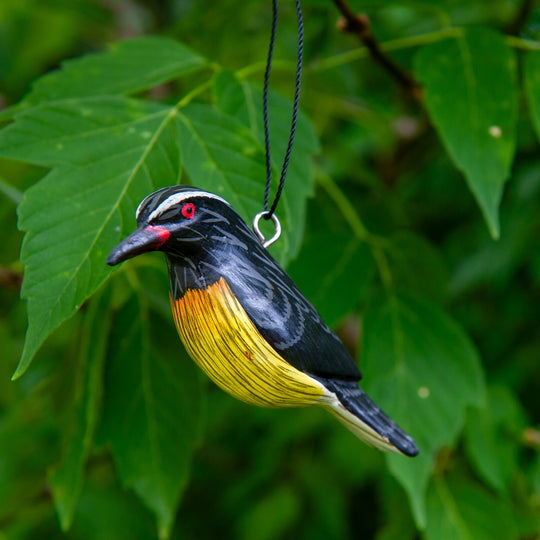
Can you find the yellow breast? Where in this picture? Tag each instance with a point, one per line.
(220, 337)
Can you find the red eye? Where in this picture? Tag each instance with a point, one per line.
(188, 210)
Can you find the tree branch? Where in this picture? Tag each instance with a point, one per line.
(10, 279)
(520, 18)
(360, 25)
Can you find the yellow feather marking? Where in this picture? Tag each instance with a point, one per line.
(224, 342)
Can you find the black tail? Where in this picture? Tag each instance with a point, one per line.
(354, 400)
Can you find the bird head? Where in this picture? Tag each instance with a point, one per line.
(177, 220)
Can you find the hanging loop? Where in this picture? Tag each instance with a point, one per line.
(258, 232)
(269, 213)
(270, 209)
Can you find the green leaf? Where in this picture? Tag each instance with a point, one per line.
(471, 95)
(330, 504)
(243, 101)
(492, 264)
(461, 509)
(107, 155)
(106, 511)
(344, 266)
(66, 479)
(151, 413)
(420, 368)
(127, 67)
(11, 193)
(532, 86)
(230, 98)
(270, 517)
(396, 514)
(493, 435)
(33, 42)
(220, 155)
(417, 266)
(28, 443)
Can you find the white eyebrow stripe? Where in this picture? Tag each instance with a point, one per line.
(179, 197)
(138, 211)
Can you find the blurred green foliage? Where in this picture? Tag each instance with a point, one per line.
(391, 208)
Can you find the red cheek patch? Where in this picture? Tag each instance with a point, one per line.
(160, 232)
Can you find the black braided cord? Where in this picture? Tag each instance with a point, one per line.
(270, 212)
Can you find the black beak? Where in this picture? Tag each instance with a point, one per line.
(147, 238)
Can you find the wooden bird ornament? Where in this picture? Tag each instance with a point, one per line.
(244, 321)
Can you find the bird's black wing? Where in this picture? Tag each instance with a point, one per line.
(285, 317)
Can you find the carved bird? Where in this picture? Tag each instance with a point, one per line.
(243, 320)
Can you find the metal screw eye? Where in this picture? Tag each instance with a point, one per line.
(258, 232)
